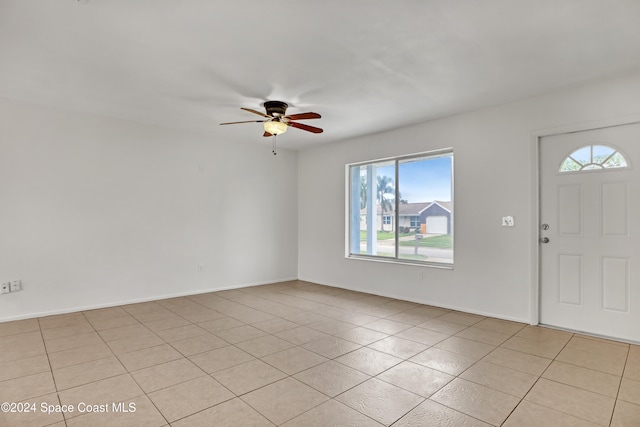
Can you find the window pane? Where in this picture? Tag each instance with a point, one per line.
(425, 191)
(569, 165)
(582, 155)
(601, 152)
(616, 161)
(372, 232)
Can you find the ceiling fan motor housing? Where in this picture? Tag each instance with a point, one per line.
(276, 108)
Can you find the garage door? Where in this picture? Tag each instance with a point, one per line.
(437, 225)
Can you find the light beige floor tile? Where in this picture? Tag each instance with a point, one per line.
(461, 318)
(127, 345)
(221, 358)
(529, 414)
(486, 336)
(409, 318)
(105, 313)
(78, 355)
(35, 417)
(428, 311)
(84, 373)
(189, 397)
(301, 335)
(573, 401)
(232, 413)
(331, 347)
(274, 326)
(115, 389)
(422, 336)
(443, 326)
(465, 347)
(248, 376)
(369, 361)
(202, 315)
(483, 403)
(430, 413)
(523, 362)
(443, 360)
(19, 327)
(381, 401)
(294, 360)
(331, 378)
(263, 346)
(546, 349)
(241, 333)
(133, 331)
(625, 414)
(332, 413)
(167, 323)
(22, 388)
(587, 379)
(167, 374)
(613, 365)
(540, 333)
(18, 346)
(199, 344)
(146, 357)
(23, 367)
(141, 413)
(398, 347)
(113, 322)
(181, 332)
(598, 346)
(71, 342)
(505, 327)
(500, 378)
(630, 391)
(66, 331)
(331, 327)
(632, 368)
(416, 378)
(157, 314)
(362, 336)
(62, 320)
(284, 400)
(387, 326)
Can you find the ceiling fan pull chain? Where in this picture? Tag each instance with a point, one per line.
(273, 148)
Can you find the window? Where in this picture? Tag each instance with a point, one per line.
(416, 193)
(594, 157)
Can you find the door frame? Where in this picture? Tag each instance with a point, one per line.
(534, 231)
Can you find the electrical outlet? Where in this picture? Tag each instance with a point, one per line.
(16, 285)
(6, 288)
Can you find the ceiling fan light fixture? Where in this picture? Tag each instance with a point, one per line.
(275, 127)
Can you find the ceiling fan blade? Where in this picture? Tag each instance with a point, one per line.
(267, 134)
(255, 112)
(248, 121)
(305, 127)
(303, 116)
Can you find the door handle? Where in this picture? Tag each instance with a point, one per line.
(544, 240)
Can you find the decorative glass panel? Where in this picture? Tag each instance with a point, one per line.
(594, 157)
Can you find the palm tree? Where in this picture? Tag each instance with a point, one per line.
(363, 192)
(385, 186)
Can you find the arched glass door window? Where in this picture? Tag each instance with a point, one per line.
(594, 157)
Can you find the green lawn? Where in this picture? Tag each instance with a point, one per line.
(383, 235)
(444, 241)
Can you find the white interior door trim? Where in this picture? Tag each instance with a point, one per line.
(534, 231)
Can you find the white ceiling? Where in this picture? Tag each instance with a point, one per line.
(365, 65)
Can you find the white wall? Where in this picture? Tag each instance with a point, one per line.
(97, 211)
(494, 177)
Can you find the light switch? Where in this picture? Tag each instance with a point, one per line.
(507, 221)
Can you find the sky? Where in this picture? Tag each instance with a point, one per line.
(423, 180)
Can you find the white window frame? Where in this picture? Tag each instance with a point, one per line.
(446, 152)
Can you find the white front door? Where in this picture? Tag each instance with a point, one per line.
(590, 214)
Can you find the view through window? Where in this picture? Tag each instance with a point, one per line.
(402, 209)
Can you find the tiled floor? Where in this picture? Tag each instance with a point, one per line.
(300, 354)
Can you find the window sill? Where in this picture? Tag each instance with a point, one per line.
(442, 266)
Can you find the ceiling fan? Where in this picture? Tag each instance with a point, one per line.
(276, 121)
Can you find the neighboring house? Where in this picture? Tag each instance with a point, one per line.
(435, 215)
